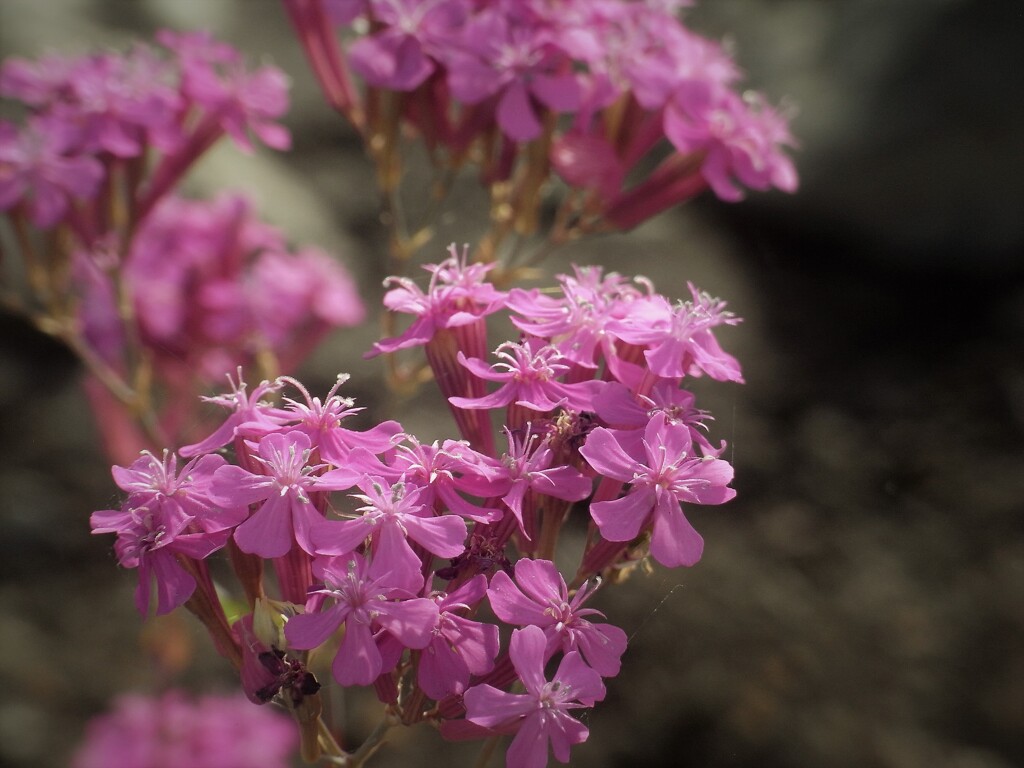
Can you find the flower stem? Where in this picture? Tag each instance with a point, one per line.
(486, 751)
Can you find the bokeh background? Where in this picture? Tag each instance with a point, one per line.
(861, 603)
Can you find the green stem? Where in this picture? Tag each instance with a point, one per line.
(486, 751)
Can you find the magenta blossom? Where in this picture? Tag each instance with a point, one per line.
(528, 464)
(39, 168)
(402, 55)
(741, 140)
(321, 421)
(292, 293)
(250, 416)
(458, 295)
(540, 717)
(211, 732)
(443, 471)
(619, 408)
(679, 338)
(519, 64)
(368, 597)
(392, 514)
(37, 82)
(158, 485)
(124, 102)
(460, 647)
(151, 540)
(168, 514)
(286, 513)
(666, 473)
(241, 102)
(539, 597)
(528, 374)
(576, 322)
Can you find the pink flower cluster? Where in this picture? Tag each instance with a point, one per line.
(629, 76)
(173, 730)
(212, 288)
(145, 285)
(403, 559)
(90, 118)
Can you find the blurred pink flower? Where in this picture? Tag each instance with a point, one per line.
(40, 168)
(172, 730)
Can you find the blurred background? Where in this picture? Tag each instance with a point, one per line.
(861, 603)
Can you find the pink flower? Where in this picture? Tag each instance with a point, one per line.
(679, 337)
(391, 515)
(211, 732)
(540, 717)
(741, 140)
(459, 646)
(241, 102)
(443, 471)
(158, 485)
(529, 375)
(39, 167)
(37, 83)
(576, 323)
(518, 63)
(367, 598)
(528, 467)
(290, 292)
(214, 287)
(287, 514)
(539, 597)
(658, 53)
(403, 54)
(321, 421)
(663, 475)
(250, 415)
(458, 295)
(150, 540)
(619, 408)
(124, 102)
(199, 46)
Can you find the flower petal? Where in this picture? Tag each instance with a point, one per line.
(621, 519)
(674, 541)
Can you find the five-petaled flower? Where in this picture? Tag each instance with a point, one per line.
(539, 597)
(540, 717)
(367, 597)
(661, 475)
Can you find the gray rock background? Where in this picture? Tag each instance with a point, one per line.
(861, 603)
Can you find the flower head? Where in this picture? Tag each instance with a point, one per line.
(40, 167)
(664, 474)
(540, 717)
(211, 732)
(460, 647)
(539, 597)
(457, 295)
(158, 485)
(517, 62)
(529, 374)
(679, 338)
(150, 539)
(391, 515)
(285, 512)
(367, 597)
